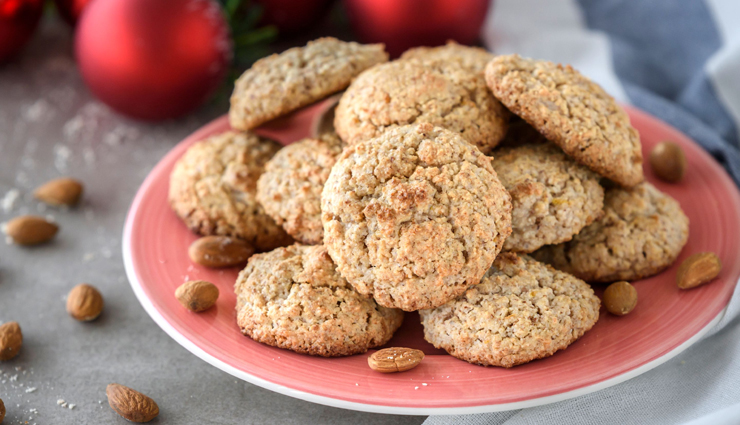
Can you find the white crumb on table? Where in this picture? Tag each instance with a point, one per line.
(38, 110)
(62, 153)
(9, 199)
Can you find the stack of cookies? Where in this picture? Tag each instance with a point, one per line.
(482, 191)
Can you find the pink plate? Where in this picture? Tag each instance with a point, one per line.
(665, 322)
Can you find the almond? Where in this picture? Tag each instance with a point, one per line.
(220, 251)
(2, 411)
(30, 230)
(59, 192)
(130, 404)
(698, 269)
(84, 302)
(668, 162)
(11, 339)
(197, 295)
(620, 298)
(395, 359)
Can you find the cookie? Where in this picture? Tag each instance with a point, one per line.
(552, 196)
(278, 84)
(293, 298)
(573, 112)
(641, 233)
(415, 216)
(290, 188)
(213, 189)
(521, 311)
(406, 92)
(473, 59)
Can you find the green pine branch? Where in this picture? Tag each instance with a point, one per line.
(250, 41)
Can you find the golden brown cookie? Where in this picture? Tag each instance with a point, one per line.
(290, 188)
(278, 84)
(522, 310)
(293, 298)
(552, 196)
(641, 233)
(406, 92)
(213, 189)
(471, 58)
(415, 216)
(572, 111)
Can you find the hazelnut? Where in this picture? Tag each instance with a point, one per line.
(620, 298)
(668, 162)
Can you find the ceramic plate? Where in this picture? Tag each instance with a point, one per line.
(665, 322)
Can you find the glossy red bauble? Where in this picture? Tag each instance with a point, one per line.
(18, 21)
(292, 16)
(150, 59)
(71, 10)
(402, 24)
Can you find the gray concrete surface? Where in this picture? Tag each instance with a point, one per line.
(51, 126)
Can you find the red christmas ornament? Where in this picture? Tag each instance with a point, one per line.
(153, 60)
(402, 24)
(18, 21)
(70, 10)
(292, 16)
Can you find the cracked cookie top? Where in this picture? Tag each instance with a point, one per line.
(522, 310)
(403, 92)
(641, 233)
(213, 189)
(278, 84)
(293, 298)
(473, 59)
(290, 188)
(552, 196)
(415, 216)
(572, 111)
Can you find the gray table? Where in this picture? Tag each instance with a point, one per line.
(51, 126)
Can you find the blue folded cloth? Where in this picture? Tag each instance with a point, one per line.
(661, 50)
